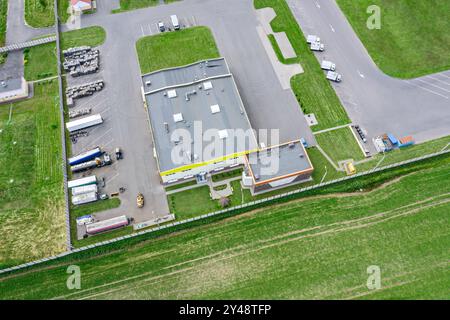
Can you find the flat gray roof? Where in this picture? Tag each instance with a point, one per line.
(213, 110)
(10, 84)
(278, 161)
(186, 74)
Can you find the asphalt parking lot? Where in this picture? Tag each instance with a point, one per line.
(379, 103)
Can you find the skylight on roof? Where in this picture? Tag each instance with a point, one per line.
(178, 117)
(172, 93)
(207, 85)
(215, 109)
(223, 134)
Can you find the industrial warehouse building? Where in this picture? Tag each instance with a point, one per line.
(13, 89)
(199, 127)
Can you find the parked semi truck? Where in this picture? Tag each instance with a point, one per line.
(85, 156)
(84, 198)
(84, 189)
(334, 76)
(106, 225)
(328, 65)
(82, 182)
(96, 163)
(84, 123)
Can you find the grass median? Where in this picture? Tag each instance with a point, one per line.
(173, 49)
(312, 89)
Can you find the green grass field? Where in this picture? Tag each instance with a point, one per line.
(3, 18)
(39, 13)
(40, 62)
(312, 248)
(32, 221)
(340, 144)
(90, 36)
(312, 89)
(176, 49)
(413, 39)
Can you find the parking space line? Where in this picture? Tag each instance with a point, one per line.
(150, 29)
(433, 85)
(431, 91)
(112, 178)
(443, 75)
(142, 30)
(439, 80)
(100, 137)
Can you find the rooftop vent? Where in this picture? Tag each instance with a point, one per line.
(207, 85)
(178, 117)
(223, 134)
(172, 93)
(215, 109)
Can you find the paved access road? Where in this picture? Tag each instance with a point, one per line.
(233, 24)
(17, 31)
(379, 103)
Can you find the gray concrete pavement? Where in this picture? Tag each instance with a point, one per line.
(379, 103)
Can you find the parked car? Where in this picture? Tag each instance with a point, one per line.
(140, 200)
(161, 26)
(118, 154)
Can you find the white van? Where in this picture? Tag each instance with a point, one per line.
(175, 23)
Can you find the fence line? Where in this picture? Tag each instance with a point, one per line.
(216, 213)
(63, 130)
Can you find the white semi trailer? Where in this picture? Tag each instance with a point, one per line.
(84, 123)
(84, 198)
(84, 189)
(82, 182)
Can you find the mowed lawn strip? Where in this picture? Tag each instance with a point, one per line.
(32, 221)
(39, 13)
(340, 144)
(312, 248)
(173, 49)
(312, 89)
(126, 5)
(40, 62)
(90, 36)
(414, 38)
(3, 19)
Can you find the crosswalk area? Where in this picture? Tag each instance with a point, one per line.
(28, 44)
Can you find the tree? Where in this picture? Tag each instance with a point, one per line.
(224, 202)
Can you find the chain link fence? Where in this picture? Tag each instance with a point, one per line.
(248, 205)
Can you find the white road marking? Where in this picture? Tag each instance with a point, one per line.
(142, 30)
(439, 80)
(443, 75)
(431, 91)
(317, 5)
(360, 74)
(332, 29)
(433, 85)
(100, 137)
(150, 29)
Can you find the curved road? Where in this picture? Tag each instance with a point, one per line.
(420, 107)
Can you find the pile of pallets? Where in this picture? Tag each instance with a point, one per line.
(81, 61)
